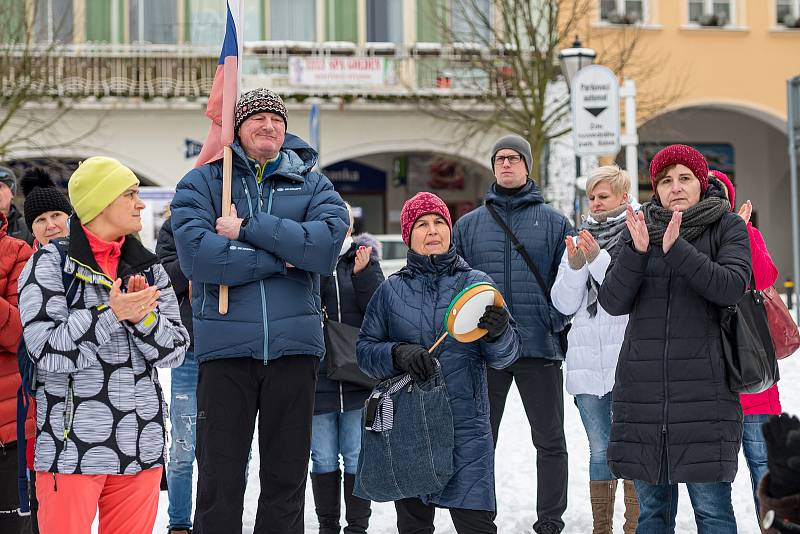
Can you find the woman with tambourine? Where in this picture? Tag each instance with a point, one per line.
(404, 318)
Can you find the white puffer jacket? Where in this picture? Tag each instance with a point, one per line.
(594, 342)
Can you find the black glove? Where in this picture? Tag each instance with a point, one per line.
(415, 360)
(782, 434)
(495, 321)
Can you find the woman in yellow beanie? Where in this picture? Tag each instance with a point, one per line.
(99, 315)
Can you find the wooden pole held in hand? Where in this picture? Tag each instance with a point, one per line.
(227, 174)
(438, 342)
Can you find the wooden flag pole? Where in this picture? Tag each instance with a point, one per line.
(227, 174)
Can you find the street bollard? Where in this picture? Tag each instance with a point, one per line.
(788, 285)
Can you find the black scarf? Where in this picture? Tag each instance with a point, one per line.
(695, 220)
(606, 228)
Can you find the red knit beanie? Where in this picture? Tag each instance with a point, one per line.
(417, 206)
(722, 177)
(680, 155)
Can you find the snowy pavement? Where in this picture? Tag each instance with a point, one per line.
(516, 481)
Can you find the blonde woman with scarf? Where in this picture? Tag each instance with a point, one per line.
(596, 337)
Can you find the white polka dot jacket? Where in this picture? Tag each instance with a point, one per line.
(99, 405)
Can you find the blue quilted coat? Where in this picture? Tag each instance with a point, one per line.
(541, 229)
(410, 307)
(293, 216)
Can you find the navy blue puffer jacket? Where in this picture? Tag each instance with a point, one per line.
(409, 307)
(541, 229)
(293, 216)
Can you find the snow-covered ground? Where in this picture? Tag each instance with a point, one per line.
(516, 480)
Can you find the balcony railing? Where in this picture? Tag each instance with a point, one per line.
(146, 72)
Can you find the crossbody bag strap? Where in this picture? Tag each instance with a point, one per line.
(521, 249)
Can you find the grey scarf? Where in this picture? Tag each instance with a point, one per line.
(695, 219)
(606, 228)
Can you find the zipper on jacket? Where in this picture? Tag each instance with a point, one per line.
(339, 319)
(341, 399)
(260, 282)
(664, 435)
(508, 295)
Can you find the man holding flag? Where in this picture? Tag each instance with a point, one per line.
(259, 352)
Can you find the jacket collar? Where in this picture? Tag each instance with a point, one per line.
(530, 194)
(298, 158)
(134, 257)
(433, 265)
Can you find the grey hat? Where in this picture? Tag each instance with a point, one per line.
(514, 142)
(8, 177)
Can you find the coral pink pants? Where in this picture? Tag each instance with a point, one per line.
(127, 503)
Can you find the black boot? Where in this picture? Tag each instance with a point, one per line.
(357, 510)
(327, 500)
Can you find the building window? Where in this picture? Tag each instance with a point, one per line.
(153, 21)
(385, 21)
(206, 21)
(788, 13)
(52, 21)
(471, 21)
(712, 12)
(622, 11)
(292, 20)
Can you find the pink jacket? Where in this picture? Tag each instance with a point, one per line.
(765, 272)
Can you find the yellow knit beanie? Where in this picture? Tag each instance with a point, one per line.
(96, 183)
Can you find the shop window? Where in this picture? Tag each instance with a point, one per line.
(622, 11)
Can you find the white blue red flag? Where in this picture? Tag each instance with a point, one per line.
(225, 89)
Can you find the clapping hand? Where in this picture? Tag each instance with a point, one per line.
(575, 257)
(588, 245)
(134, 305)
(746, 211)
(638, 230)
(673, 231)
(362, 259)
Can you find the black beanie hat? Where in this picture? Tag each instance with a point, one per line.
(41, 196)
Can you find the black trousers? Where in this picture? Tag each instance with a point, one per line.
(540, 384)
(10, 520)
(414, 517)
(230, 393)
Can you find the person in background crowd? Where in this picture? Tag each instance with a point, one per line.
(13, 255)
(336, 427)
(46, 208)
(674, 418)
(759, 406)
(47, 213)
(261, 358)
(389, 344)
(596, 337)
(101, 437)
(485, 246)
(16, 222)
(183, 396)
(779, 489)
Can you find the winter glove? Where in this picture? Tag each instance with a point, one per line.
(782, 434)
(592, 254)
(414, 360)
(495, 321)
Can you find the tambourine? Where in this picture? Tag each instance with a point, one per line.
(466, 310)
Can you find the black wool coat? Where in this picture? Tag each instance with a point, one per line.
(674, 418)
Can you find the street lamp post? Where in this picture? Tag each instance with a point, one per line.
(572, 60)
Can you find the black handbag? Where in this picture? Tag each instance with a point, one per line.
(562, 334)
(747, 347)
(341, 363)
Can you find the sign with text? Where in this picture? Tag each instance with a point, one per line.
(595, 111)
(321, 71)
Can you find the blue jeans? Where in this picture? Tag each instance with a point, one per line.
(596, 416)
(755, 451)
(183, 414)
(658, 505)
(333, 434)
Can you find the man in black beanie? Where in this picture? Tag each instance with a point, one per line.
(516, 200)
